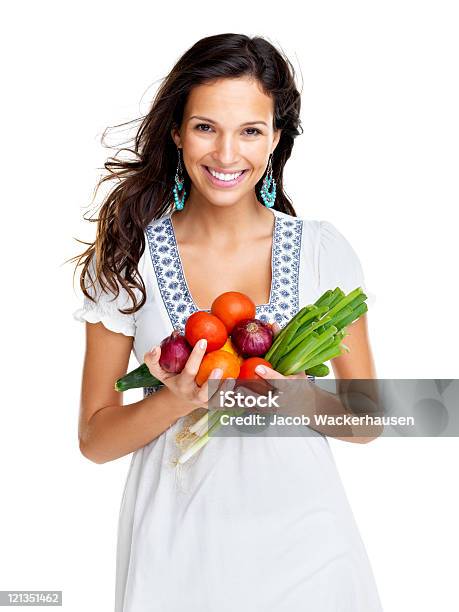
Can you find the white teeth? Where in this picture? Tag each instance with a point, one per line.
(225, 177)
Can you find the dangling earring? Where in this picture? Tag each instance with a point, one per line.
(268, 197)
(179, 181)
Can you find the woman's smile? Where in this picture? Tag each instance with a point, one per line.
(224, 179)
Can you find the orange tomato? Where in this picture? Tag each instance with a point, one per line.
(231, 307)
(252, 380)
(229, 346)
(205, 325)
(228, 362)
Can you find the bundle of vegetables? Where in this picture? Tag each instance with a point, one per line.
(312, 336)
(237, 342)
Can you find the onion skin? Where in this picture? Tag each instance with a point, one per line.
(175, 351)
(252, 337)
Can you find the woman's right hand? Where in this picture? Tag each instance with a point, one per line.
(183, 384)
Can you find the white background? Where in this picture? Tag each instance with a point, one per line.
(378, 158)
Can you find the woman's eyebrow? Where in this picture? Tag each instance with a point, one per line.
(216, 122)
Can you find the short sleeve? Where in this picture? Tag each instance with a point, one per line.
(338, 265)
(106, 307)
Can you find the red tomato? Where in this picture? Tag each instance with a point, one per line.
(205, 325)
(252, 380)
(231, 307)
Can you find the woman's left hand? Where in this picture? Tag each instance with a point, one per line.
(295, 399)
(271, 374)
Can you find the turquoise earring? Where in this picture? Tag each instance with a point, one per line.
(269, 197)
(179, 182)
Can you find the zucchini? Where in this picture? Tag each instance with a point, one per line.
(140, 377)
(319, 370)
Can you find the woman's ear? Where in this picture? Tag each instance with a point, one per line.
(277, 135)
(176, 136)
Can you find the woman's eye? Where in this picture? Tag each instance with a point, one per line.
(198, 127)
(256, 131)
(202, 124)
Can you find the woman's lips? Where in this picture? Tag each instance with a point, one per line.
(219, 183)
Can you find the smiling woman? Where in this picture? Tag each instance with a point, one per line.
(256, 523)
(228, 154)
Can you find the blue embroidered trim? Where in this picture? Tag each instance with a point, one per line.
(285, 261)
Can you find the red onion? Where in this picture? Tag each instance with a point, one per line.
(175, 351)
(252, 337)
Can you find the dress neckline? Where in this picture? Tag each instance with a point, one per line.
(173, 292)
(182, 270)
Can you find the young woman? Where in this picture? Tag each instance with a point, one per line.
(257, 523)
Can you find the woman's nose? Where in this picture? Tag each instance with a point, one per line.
(226, 150)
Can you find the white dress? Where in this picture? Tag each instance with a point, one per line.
(248, 524)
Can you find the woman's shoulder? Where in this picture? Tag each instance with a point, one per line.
(158, 221)
(309, 228)
(329, 250)
(336, 260)
(298, 219)
(324, 233)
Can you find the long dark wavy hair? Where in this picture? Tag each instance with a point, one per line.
(144, 183)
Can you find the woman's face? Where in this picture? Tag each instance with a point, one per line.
(227, 128)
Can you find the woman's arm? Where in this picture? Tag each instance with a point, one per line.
(357, 364)
(108, 430)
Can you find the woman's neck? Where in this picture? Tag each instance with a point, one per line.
(220, 225)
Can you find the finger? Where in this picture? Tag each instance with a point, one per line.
(226, 384)
(248, 391)
(266, 372)
(151, 360)
(276, 328)
(194, 361)
(203, 393)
